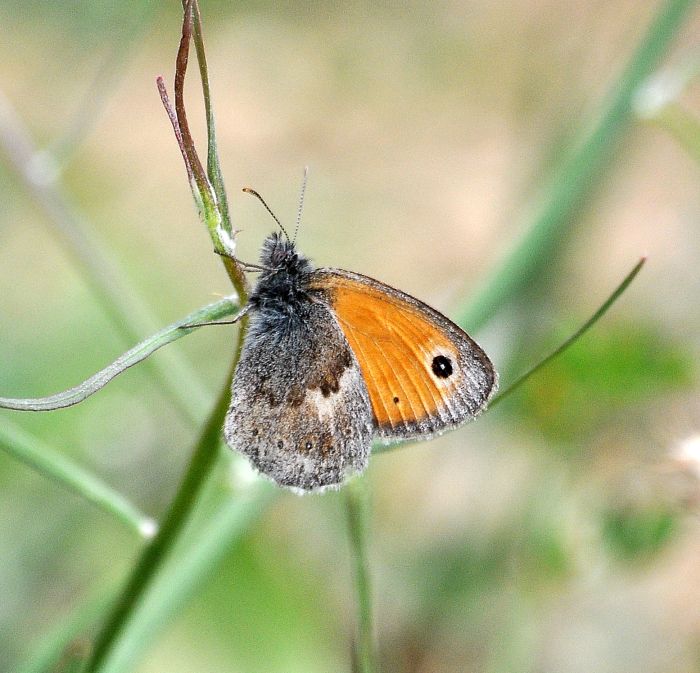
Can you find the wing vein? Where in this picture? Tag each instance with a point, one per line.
(370, 371)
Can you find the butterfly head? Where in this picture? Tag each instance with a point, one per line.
(279, 255)
(282, 280)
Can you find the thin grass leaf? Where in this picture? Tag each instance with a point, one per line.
(205, 189)
(69, 475)
(575, 336)
(357, 507)
(172, 116)
(210, 195)
(224, 229)
(137, 354)
(213, 163)
(575, 180)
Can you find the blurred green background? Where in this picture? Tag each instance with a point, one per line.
(558, 533)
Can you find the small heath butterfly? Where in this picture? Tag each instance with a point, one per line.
(332, 359)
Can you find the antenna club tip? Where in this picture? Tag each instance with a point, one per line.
(250, 190)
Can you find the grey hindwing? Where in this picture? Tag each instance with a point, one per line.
(300, 410)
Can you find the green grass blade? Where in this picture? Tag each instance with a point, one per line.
(207, 187)
(357, 505)
(213, 164)
(575, 336)
(578, 176)
(68, 474)
(385, 448)
(133, 356)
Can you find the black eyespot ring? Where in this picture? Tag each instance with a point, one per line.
(442, 366)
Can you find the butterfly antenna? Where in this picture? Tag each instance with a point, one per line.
(248, 190)
(301, 202)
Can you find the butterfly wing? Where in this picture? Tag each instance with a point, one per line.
(300, 410)
(423, 373)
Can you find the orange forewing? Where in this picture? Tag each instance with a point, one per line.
(396, 339)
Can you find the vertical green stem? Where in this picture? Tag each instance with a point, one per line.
(358, 512)
(152, 557)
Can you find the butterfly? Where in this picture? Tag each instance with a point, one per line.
(332, 359)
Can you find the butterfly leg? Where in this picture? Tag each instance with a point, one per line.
(247, 266)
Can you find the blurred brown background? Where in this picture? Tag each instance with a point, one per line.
(557, 534)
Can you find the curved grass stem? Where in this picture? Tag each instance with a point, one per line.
(574, 337)
(133, 356)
